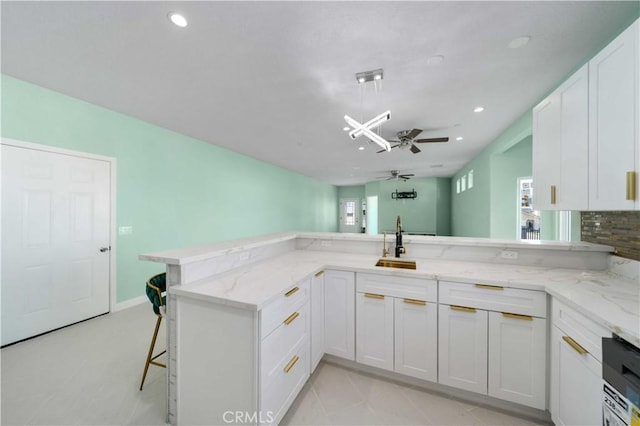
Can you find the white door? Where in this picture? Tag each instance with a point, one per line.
(462, 346)
(55, 239)
(374, 330)
(517, 359)
(339, 314)
(350, 215)
(416, 338)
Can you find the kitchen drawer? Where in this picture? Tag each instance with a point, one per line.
(279, 393)
(272, 315)
(579, 328)
(494, 298)
(401, 287)
(278, 344)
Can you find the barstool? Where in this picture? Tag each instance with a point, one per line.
(156, 285)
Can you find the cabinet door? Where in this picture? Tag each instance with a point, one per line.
(614, 128)
(576, 384)
(416, 338)
(517, 359)
(374, 330)
(462, 348)
(317, 319)
(339, 314)
(560, 146)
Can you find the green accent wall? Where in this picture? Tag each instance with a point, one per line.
(174, 190)
(354, 191)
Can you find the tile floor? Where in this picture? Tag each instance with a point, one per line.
(89, 374)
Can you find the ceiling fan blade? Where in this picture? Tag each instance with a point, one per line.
(407, 176)
(431, 140)
(415, 132)
(384, 150)
(414, 149)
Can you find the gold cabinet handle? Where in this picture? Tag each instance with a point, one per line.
(374, 296)
(415, 302)
(631, 186)
(318, 274)
(291, 363)
(462, 308)
(517, 316)
(553, 194)
(290, 292)
(291, 317)
(489, 287)
(575, 345)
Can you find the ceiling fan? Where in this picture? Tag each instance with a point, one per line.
(406, 140)
(395, 174)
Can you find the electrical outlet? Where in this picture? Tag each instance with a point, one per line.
(509, 254)
(125, 230)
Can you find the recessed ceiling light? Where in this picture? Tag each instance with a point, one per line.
(459, 138)
(436, 166)
(478, 109)
(361, 148)
(519, 42)
(435, 60)
(177, 19)
(346, 128)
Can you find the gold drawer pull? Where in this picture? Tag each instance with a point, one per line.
(290, 292)
(462, 308)
(553, 194)
(489, 287)
(631, 186)
(517, 316)
(318, 274)
(575, 345)
(374, 296)
(415, 302)
(291, 317)
(291, 363)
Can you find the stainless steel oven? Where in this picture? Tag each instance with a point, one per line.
(621, 373)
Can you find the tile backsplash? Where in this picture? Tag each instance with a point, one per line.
(620, 229)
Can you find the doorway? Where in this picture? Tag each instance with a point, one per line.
(528, 217)
(57, 228)
(350, 215)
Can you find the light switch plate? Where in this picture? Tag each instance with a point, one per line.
(125, 230)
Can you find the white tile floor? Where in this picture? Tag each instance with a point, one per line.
(90, 374)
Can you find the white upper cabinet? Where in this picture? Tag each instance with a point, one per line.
(560, 146)
(614, 124)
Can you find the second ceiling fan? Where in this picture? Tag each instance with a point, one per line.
(406, 140)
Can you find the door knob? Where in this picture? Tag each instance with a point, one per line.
(103, 249)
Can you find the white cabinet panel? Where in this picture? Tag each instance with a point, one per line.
(374, 330)
(614, 122)
(462, 348)
(416, 338)
(339, 314)
(517, 353)
(317, 319)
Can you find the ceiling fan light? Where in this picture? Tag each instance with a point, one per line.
(459, 138)
(177, 19)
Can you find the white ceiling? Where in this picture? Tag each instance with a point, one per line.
(273, 80)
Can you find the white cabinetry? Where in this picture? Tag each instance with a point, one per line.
(339, 314)
(560, 146)
(614, 123)
(492, 340)
(576, 369)
(317, 319)
(396, 321)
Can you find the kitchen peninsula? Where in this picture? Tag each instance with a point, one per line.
(250, 319)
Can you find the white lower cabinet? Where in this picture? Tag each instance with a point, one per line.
(339, 314)
(317, 319)
(416, 338)
(489, 350)
(462, 346)
(374, 330)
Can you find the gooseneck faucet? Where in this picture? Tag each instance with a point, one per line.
(399, 248)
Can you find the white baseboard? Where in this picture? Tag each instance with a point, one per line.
(130, 303)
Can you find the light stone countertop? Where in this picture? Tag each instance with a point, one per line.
(606, 298)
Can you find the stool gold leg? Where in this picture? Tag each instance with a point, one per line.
(150, 354)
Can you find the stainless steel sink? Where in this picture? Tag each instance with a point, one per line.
(395, 263)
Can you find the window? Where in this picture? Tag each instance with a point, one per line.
(458, 186)
(470, 179)
(464, 183)
(350, 213)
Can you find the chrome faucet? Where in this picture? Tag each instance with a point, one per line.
(385, 250)
(399, 248)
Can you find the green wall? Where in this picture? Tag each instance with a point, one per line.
(473, 212)
(354, 191)
(174, 191)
